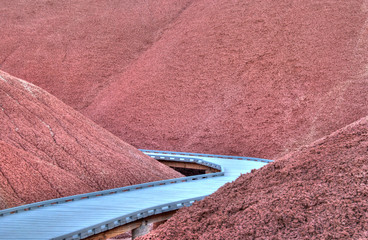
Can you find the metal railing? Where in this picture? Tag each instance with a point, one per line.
(84, 196)
(131, 217)
(187, 160)
(128, 218)
(206, 155)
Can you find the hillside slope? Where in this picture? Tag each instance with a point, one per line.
(49, 150)
(253, 78)
(73, 49)
(319, 192)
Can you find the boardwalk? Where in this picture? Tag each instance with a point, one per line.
(77, 219)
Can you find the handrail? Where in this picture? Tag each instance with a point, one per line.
(124, 219)
(188, 160)
(207, 155)
(78, 197)
(143, 213)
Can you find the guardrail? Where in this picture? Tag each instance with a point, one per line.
(128, 218)
(187, 160)
(84, 196)
(131, 217)
(206, 155)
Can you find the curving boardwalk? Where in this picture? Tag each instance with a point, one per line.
(84, 215)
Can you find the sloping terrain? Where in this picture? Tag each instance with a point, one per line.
(49, 150)
(73, 49)
(253, 78)
(319, 192)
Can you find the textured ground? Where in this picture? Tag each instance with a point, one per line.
(73, 49)
(255, 78)
(49, 150)
(319, 192)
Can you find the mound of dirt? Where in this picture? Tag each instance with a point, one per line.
(253, 78)
(49, 150)
(319, 192)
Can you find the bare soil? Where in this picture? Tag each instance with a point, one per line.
(318, 192)
(73, 49)
(254, 78)
(49, 150)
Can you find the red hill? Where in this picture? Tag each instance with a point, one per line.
(49, 150)
(255, 78)
(73, 49)
(319, 192)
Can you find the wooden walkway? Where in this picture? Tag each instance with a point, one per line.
(85, 215)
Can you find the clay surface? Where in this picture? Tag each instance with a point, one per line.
(73, 49)
(49, 150)
(254, 78)
(318, 192)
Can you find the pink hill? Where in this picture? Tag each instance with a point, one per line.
(255, 78)
(49, 150)
(73, 49)
(319, 192)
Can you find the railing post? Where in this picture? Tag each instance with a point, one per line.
(141, 230)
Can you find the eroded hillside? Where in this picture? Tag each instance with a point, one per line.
(251, 78)
(254, 78)
(49, 150)
(319, 192)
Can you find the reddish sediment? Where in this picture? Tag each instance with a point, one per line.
(251, 78)
(318, 192)
(49, 150)
(255, 78)
(73, 49)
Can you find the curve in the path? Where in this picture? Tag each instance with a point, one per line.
(84, 215)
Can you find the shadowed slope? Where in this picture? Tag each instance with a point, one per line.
(319, 192)
(253, 78)
(49, 150)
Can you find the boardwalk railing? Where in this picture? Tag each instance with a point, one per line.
(206, 155)
(113, 223)
(186, 160)
(143, 213)
(78, 197)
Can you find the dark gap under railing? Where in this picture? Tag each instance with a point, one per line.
(189, 171)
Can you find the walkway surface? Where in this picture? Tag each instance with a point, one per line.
(81, 216)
